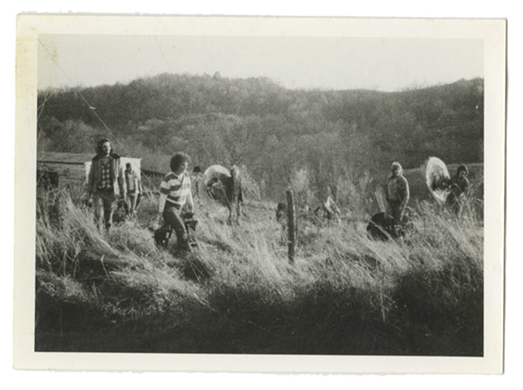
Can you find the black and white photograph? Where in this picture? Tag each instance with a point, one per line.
(279, 188)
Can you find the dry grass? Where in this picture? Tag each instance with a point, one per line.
(345, 294)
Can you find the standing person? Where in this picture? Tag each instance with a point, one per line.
(397, 196)
(175, 196)
(134, 188)
(197, 176)
(332, 212)
(105, 182)
(459, 186)
(329, 210)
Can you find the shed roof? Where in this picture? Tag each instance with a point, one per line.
(69, 158)
(60, 159)
(57, 157)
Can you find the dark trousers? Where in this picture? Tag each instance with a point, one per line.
(173, 220)
(394, 210)
(455, 203)
(103, 201)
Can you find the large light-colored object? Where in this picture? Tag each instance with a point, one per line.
(224, 186)
(215, 172)
(214, 182)
(437, 178)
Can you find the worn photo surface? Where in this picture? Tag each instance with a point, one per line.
(239, 193)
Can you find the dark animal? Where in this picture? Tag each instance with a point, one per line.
(121, 212)
(225, 187)
(164, 233)
(190, 226)
(381, 227)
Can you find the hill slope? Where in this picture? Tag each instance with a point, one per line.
(271, 130)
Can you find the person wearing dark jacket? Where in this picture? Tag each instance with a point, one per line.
(105, 182)
(459, 186)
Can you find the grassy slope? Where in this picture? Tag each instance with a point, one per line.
(345, 294)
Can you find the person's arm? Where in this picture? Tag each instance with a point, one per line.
(139, 189)
(466, 185)
(121, 181)
(164, 191)
(406, 196)
(161, 202)
(189, 202)
(385, 190)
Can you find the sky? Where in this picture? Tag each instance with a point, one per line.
(293, 62)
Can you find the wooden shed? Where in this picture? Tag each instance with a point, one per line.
(73, 168)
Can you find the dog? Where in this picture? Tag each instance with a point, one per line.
(382, 227)
(121, 211)
(164, 233)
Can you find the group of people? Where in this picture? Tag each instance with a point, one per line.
(108, 181)
(398, 194)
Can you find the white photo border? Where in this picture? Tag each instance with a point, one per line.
(493, 34)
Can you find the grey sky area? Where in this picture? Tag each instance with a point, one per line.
(293, 62)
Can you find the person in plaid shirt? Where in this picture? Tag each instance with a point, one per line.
(105, 182)
(175, 197)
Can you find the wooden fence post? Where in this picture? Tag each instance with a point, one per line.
(291, 225)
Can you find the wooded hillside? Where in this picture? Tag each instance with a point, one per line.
(281, 136)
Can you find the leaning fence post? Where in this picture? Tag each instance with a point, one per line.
(291, 225)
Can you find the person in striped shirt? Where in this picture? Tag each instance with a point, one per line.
(175, 197)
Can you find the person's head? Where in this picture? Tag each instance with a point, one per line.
(103, 147)
(396, 169)
(197, 170)
(179, 162)
(462, 171)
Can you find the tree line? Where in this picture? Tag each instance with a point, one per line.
(312, 138)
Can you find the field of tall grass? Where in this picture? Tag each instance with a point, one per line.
(238, 293)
